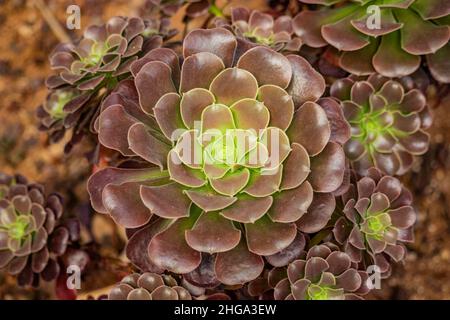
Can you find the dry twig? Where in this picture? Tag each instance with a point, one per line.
(53, 23)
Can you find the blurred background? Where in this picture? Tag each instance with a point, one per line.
(29, 31)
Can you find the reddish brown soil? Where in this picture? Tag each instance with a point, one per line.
(26, 40)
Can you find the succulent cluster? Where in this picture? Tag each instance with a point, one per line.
(148, 286)
(239, 171)
(388, 37)
(387, 122)
(86, 71)
(33, 234)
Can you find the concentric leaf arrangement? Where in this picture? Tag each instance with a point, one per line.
(37, 240)
(241, 169)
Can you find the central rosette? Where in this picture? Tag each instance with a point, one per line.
(387, 122)
(18, 229)
(228, 136)
(239, 155)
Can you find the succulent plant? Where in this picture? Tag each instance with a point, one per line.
(259, 28)
(32, 234)
(86, 71)
(388, 123)
(235, 155)
(407, 30)
(324, 273)
(377, 217)
(148, 286)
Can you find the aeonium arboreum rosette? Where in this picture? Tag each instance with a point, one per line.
(376, 218)
(34, 235)
(388, 123)
(322, 273)
(87, 70)
(388, 37)
(267, 156)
